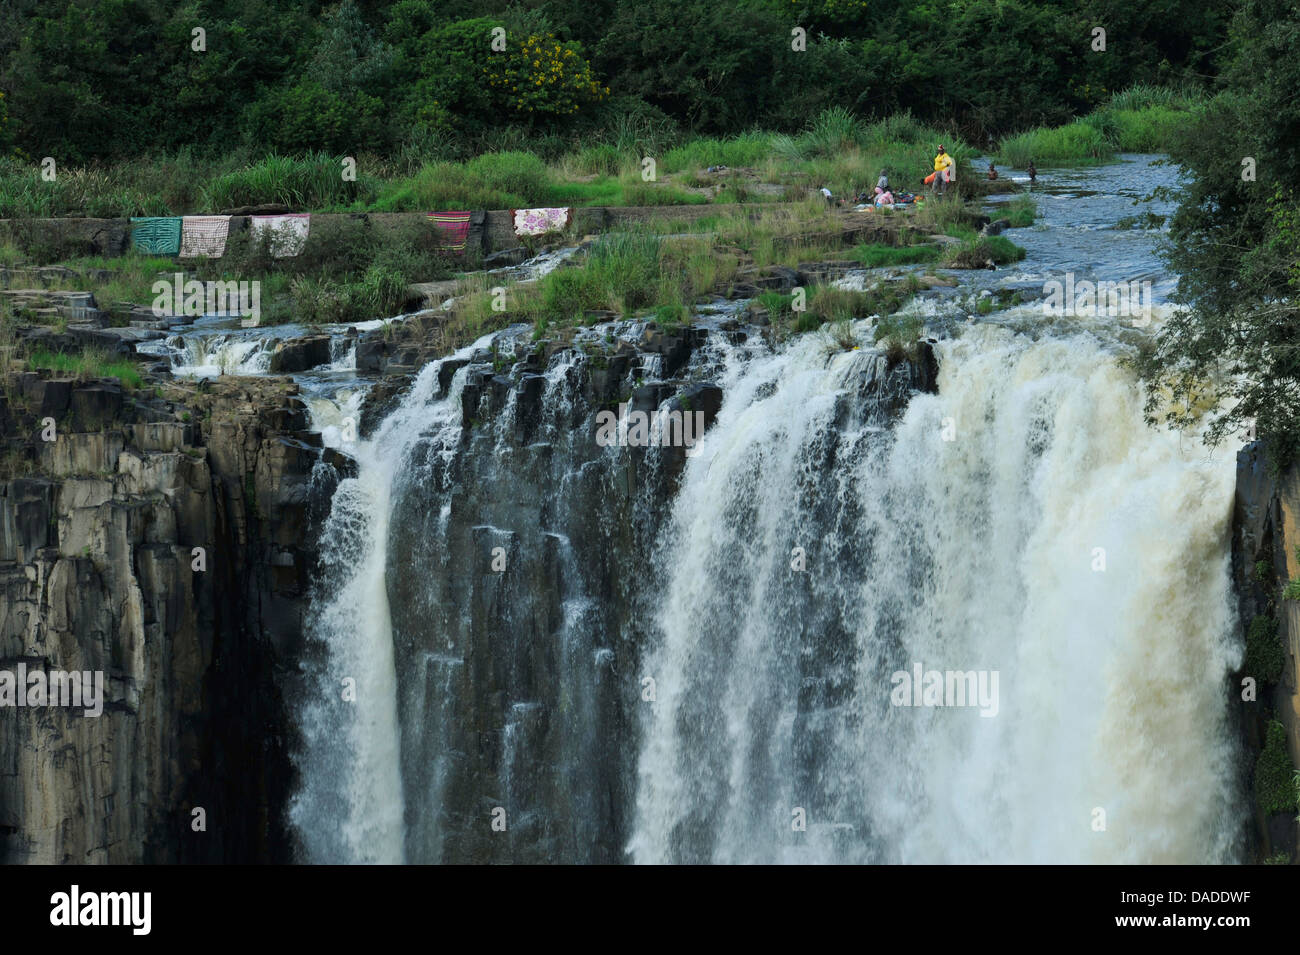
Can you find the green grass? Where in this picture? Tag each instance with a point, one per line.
(85, 365)
(1020, 212)
(898, 336)
(1143, 119)
(877, 255)
(1077, 144)
(975, 251)
(309, 183)
(747, 149)
(836, 149)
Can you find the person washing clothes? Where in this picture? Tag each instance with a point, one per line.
(944, 170)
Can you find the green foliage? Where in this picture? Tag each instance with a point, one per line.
(875, 256)
(119, 78)
(1264, 656)
(898, 335)
(85, 365)
(975, 253)
(1020, 212)
(1078, 143)
(306, 117)
(312, 183)
(1275, 788)
(1233, 241)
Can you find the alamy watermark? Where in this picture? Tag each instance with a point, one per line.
(922, 687)
(74, 689)
(176, 296)
(645, 429)
(1088, 299)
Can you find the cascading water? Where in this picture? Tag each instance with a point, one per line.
(1023, 520)
(350, 806)
(700, 663)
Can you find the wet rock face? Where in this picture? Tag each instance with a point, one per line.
(521, 591)
(300, 354)
(1266, 534)
(99, 572)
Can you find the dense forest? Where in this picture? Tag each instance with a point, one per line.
(111, 79)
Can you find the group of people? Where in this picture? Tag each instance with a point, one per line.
(945, 173)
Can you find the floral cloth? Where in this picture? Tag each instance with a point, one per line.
(540, 221)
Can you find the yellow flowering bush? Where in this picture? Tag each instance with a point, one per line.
(540, 75)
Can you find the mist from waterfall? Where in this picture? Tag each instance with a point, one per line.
(1023, 520)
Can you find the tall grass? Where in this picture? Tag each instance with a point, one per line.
(310, 183)
(747, 149)
(1079, 143)
(1139, 119)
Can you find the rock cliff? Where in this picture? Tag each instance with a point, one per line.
(101, 568)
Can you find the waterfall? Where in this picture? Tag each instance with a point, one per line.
(1023, 520)
(349, 807)
(565, 652)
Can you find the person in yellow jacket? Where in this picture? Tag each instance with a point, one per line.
(945, 171)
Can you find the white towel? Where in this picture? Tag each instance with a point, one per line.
(288, 232)
(204, 236)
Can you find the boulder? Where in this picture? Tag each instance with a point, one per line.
(300, 354)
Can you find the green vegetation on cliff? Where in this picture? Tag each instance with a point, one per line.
(1233, 241)
(1275, 777)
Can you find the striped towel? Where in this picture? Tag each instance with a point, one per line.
(454, 227)
(288, 232)
(204, 236)
(540, 221)
(156, 235)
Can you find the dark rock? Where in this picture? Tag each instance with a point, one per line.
(372, 349)
(96, 406)
(265, 209)
(300, 354)
(506, 258)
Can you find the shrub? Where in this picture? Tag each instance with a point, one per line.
(1264, 656)
(1275, 788)
(977, 252)
(898, 335)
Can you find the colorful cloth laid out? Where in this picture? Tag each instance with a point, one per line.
(204, 236)
(156, 235)
(288, 233)
(454, 227)
(540, 221)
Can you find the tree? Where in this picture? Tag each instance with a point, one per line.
(1233, 240)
